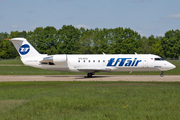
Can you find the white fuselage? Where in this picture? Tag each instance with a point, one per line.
(101, 63)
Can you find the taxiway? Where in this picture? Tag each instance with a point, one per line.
(145, 78)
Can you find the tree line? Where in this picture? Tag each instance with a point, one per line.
(71, 40)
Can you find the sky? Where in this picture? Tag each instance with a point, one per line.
(147, 17)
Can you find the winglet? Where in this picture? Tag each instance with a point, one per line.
(6, 39)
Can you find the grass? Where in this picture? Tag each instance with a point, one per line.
(89, 100)
(11, 62)
(15, 67)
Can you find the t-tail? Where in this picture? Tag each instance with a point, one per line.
(24, 48)
(29, 55)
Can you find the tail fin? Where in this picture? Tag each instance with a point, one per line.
(24, 48)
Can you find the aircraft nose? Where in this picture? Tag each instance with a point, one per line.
(172, 66)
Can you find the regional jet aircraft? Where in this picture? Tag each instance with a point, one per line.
(90, 63)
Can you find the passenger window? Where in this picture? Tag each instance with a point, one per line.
(98, 60)
(103, 60)
(84, 60)
(89, 61)
(93, 60)
(78, 60)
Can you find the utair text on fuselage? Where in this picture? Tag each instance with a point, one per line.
(122, 62)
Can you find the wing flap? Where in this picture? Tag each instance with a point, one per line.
(89, 70)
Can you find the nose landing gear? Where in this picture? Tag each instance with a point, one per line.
(162, 73)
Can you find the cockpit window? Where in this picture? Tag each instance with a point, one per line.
(157, 59)
(162, 59)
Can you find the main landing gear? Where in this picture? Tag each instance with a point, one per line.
(89, 75)
(162, 73)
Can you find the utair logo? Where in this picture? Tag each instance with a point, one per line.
(24, 49)
(124, 62)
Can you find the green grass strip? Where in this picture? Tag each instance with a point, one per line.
(89, 100)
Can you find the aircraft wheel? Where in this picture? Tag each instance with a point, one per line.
(162, 73)
(89, 75)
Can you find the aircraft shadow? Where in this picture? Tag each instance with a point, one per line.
(93, 77)
(80, 76)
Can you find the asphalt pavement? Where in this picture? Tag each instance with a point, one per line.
(145, 78)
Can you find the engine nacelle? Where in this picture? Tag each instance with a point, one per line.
(59, 59)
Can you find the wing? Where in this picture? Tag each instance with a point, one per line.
(92, 70)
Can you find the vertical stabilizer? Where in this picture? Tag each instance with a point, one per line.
(24, 48)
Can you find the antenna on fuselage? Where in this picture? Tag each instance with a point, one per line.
(135, 53)
(103, 53)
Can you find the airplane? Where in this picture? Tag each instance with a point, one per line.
(90, 63)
